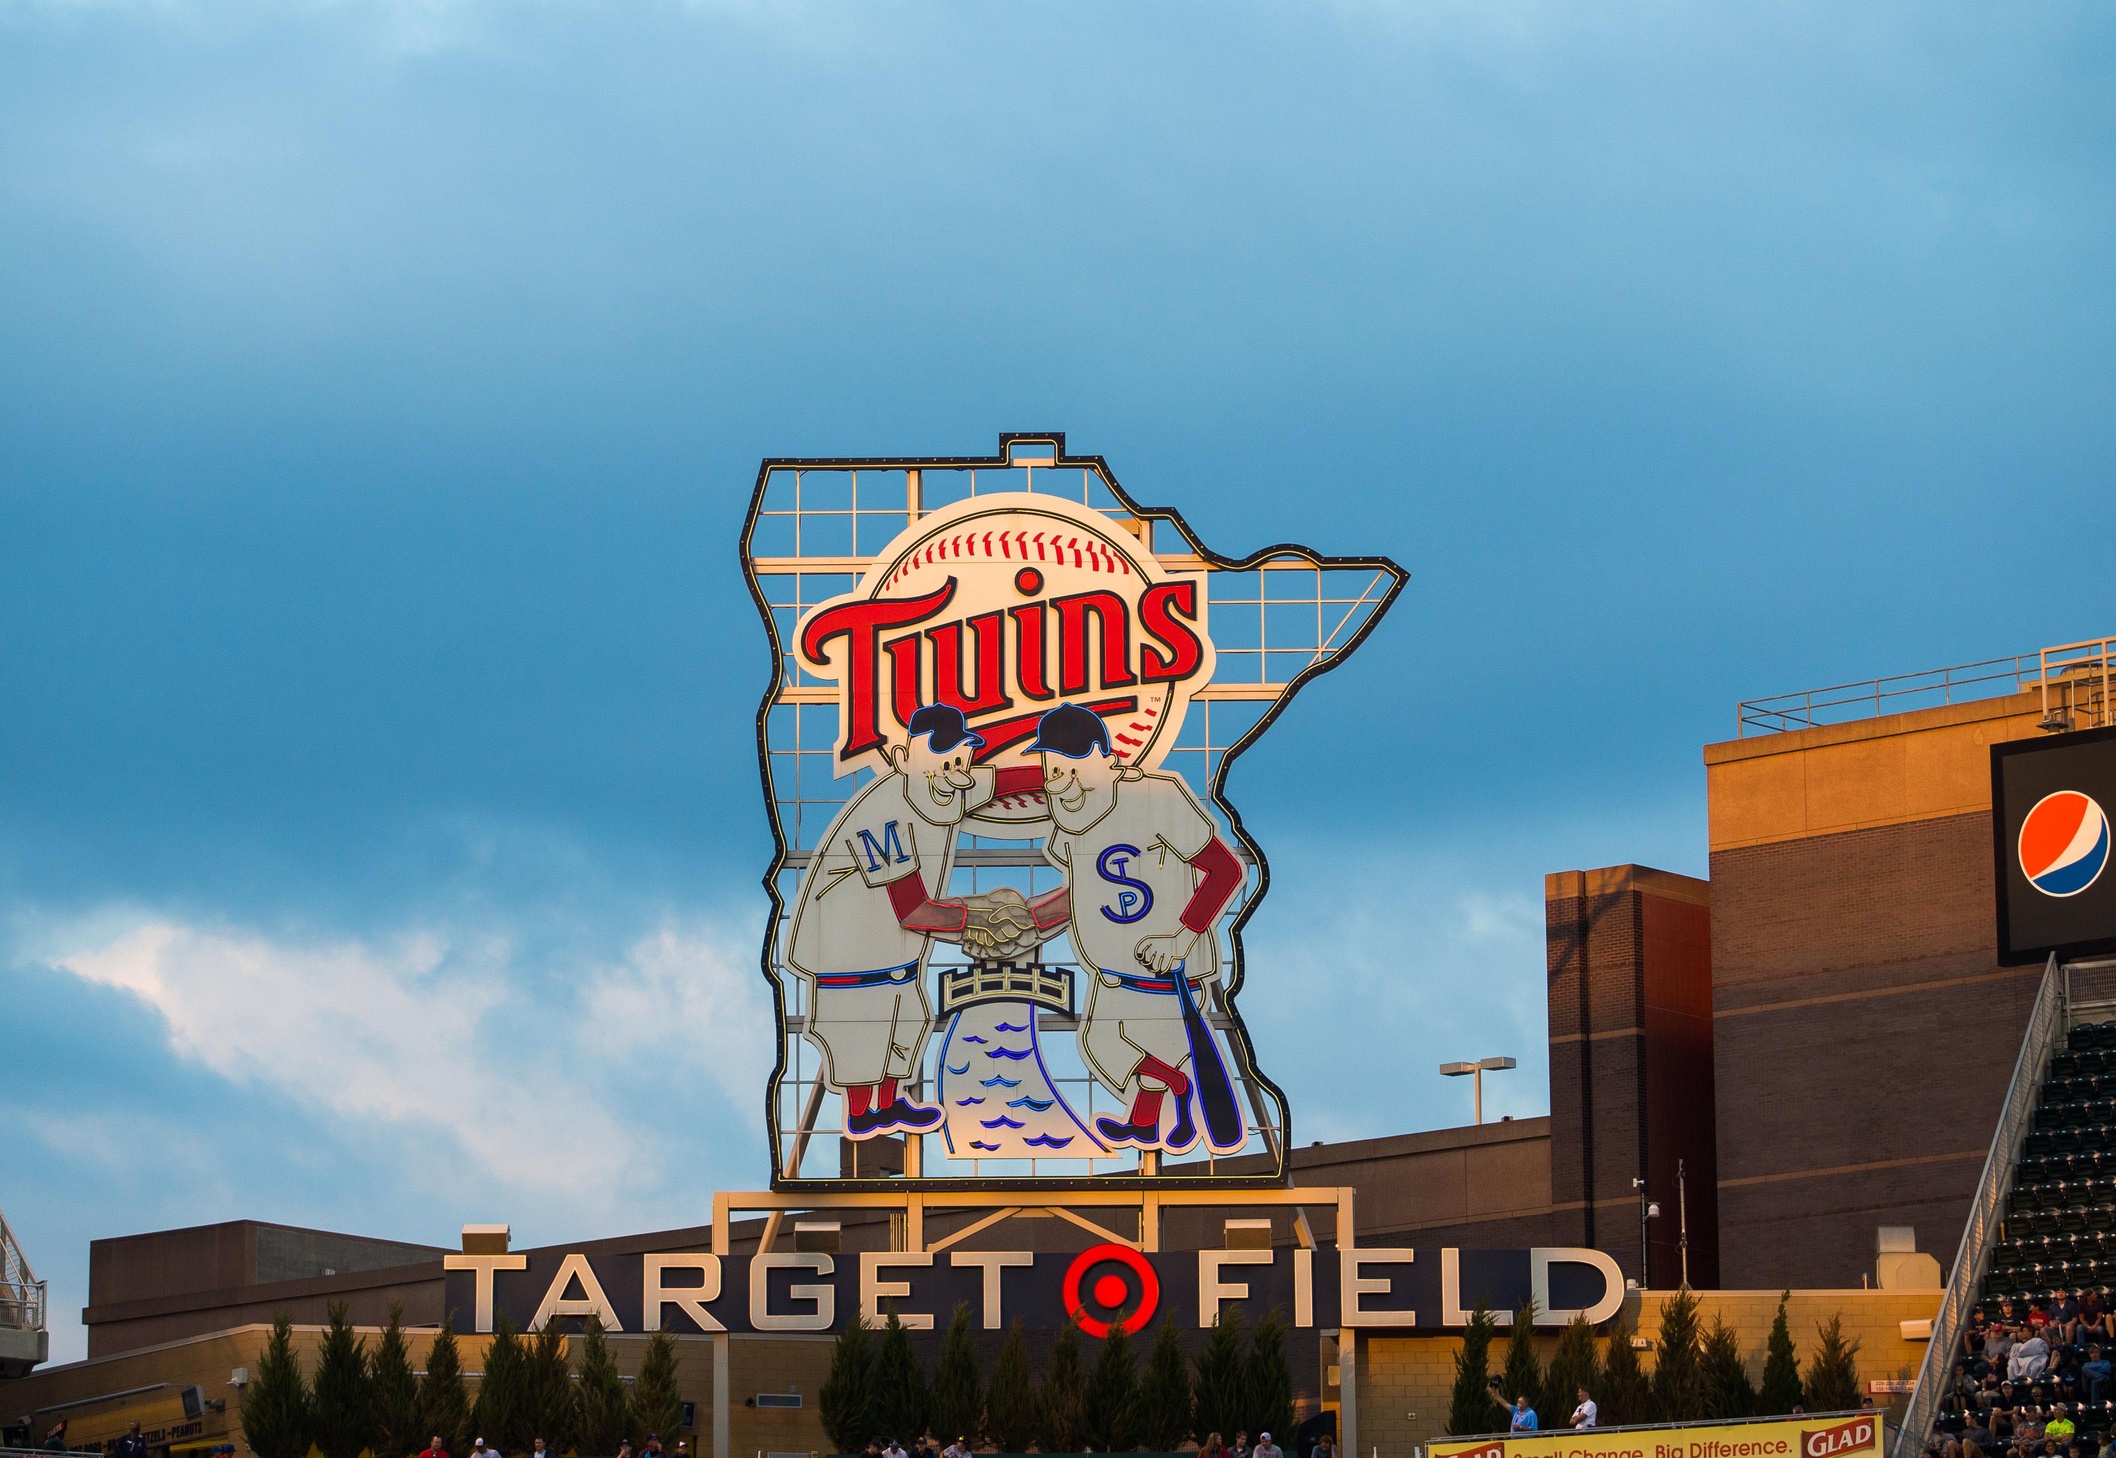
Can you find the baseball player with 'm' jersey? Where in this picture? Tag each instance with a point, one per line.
(1146, 877)
(867, 916)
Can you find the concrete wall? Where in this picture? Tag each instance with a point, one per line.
(1629, 963)
(758, 1364)
(1406, 1381)
(1864, 1030)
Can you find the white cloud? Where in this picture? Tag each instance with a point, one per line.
(435, 1031)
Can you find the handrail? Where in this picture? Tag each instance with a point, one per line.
(1781, 1417)
(2046, 1025)
(2082, 674)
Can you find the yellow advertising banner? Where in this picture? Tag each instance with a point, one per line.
(1839, 1435)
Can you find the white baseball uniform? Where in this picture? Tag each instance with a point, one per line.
(1130, 877)
(868, 1009)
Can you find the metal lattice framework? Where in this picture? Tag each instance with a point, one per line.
(1276, 619)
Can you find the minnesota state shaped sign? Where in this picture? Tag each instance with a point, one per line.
(1008, 893)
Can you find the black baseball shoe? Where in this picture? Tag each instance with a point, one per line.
(1119, 1131)
(861, 1126)
(916, 1117)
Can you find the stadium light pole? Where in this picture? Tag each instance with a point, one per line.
(1477, 1070)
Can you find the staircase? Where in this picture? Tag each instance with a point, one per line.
(2044, 1218)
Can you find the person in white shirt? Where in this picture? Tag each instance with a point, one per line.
(960, 1448)
(894, 1450)
(1586, 1414)
(1265, 1448)
(479, 1450)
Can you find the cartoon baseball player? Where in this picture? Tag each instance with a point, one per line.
(867, 914)
(1146, 877)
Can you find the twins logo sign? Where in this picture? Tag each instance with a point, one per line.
(1008, 891)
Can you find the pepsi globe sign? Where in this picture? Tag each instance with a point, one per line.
(2064, 843)
(2051, 845)
(1008, 889)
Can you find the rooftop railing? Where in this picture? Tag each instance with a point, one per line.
(2075, 680)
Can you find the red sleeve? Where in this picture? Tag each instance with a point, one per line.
(907, 896)
(1223, 877)
(1019, 779)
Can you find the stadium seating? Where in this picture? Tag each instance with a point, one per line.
(2059, 1234)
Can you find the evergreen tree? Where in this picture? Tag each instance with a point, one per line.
(1678, 1388)
(1724, 1376)
(397, 1417)
(900, 1397)
(846, 1401)
(444, 1406)
(601, 1410)
(342, 1406)
(1164, 1393)
(1781, 1370)
(1469, 1408)
(958, 1391)
(501, 1414)
(1111, 1411)
(657, 1405)
(1833, 1373)
(1220, 1404)
(1626, 1396)
(550, 1389)
(1061, 1397)
(1573, 1366)
(1010, 1403)
(275, 1404)
(1268, 1379)
(1523, 1375)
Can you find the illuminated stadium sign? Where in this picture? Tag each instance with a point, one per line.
(2050, 802)
(1008, 892)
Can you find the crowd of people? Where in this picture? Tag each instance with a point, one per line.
(1214, 1446)
(2032, 1380)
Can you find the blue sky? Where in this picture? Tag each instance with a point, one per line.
(381, 387)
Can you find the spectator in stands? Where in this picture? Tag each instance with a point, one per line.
(2095, 1373)
(2064, 1318)
(1523, 1416)
(132, 1445)
(1977, 1435)
(1214, 1447)
(1586, 1415)
(2060, 1428)
(2029, 1358)
(1265, 1448)
(1240, 1448)
(433, 1448)
(1998, 1345)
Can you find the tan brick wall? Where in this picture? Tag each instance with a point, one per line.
(1405, 1382)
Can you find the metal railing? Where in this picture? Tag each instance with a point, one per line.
(21, 1293)
(1742, 1422)
(2075, 679)
(22, 1305)
(2046, 1027)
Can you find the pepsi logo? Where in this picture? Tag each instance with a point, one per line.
(2064, 843)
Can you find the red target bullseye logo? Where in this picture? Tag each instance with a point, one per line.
(1112, 1291)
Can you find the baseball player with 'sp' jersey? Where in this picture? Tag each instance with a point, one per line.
(867, 915)
(1146, 877)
